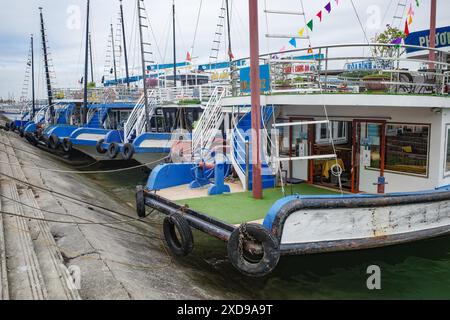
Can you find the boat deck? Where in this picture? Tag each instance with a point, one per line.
(238, 206)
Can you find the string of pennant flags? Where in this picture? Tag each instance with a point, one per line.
(310, 24)
(409, 21)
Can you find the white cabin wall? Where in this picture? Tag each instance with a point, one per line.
(443, 179)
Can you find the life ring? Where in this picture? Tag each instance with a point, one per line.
(253, 250)
(172, 225)
(128, 151)
(99, 146)
(140, 202)
(113, 150)
(67, 145)
(53, 142)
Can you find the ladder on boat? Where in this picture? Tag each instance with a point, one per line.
(399, 13)
(207, 128)
(275, 12)
(136, 122)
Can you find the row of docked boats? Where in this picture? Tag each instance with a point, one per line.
(377, 139)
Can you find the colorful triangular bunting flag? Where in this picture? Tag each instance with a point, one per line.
(328, 7)
(311, 24)
(301, 32)
(319, 15)
(293, 42)
(406, 29)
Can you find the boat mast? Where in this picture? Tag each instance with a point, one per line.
(255, 98)
(86, 62)
(127, 74)
(230, 52)
(90, 57)
(114, 52)
(432, 55)
(46, 65)
(33, 100)
(174, 46)
(144, 71)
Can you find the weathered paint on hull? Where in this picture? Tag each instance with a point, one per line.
(312, 230)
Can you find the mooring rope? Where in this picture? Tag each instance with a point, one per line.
(28, 165)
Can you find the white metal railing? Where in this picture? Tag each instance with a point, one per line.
(348, 67)
(212, 117)
(136, 122)
(238, 153)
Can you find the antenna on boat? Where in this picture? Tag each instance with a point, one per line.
(127, 74)
(46, 65)
(86, 61)
(255, 99)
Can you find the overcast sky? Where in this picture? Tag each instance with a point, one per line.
(65, 23)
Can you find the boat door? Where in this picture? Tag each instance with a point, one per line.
(369, 141)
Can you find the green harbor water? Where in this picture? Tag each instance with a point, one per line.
(414, 271)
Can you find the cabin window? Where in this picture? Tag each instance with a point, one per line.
(407, 148)
(447, 152)
(339, 130)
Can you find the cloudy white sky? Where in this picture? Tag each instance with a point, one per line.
(65, 27)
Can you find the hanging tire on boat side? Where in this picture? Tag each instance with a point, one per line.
(12, 126)
(182, 244)
(140, 202)
(31, 139)
(21, 133)
(53, 142)
(128, 151)
(7, 126)
(113, 150)
(67, 145)
(99, 146)
(253, 250)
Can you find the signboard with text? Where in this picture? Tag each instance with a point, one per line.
(264, 77)
(422, 39)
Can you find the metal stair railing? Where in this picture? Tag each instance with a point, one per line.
(210, 121)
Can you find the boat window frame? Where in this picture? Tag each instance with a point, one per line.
(424, 176)
(447, 137)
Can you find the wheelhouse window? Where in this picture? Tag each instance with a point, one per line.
(339, 130)
(407, 148)
(447, 151)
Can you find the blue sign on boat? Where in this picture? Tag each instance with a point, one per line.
(264, 76)
(422, 39)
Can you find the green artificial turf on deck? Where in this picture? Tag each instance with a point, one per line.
(240, 207)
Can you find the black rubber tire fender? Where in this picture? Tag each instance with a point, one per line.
(113, 150)
(179, 247)
(127, 151)
(7, 126)
(140, 201)
(270, 246)
(12, 126)
(31, 139)
(21, 133)
(53, 142)
(67, 145)
(99, 146)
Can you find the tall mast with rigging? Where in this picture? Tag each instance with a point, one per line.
(46, 66)
(33, 99)
(113, 53)
(90, 58)
(86, 67)
(174, 46)
(125, 53)
(140, 10)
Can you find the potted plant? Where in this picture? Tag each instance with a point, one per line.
(374, 81)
